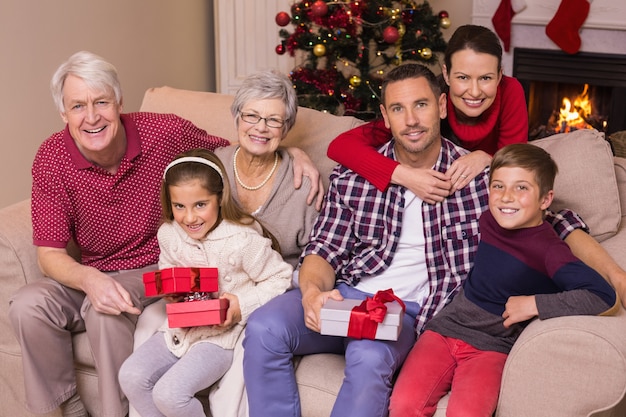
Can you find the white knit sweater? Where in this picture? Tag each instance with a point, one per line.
(247, 266)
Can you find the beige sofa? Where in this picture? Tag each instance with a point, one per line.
(574, 366)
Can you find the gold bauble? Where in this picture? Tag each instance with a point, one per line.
(319, 50)
(355, 81)
(445, 22)
(426, 53)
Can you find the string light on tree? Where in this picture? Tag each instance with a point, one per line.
(346, 47)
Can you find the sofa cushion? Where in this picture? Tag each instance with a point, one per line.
(586, 180)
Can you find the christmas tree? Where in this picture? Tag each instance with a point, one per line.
(344, 48)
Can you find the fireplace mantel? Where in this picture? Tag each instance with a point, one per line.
(604, 30)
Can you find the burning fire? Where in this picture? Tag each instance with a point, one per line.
(574, 116)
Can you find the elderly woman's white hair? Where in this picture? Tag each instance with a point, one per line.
(97, 73)
(268, 84)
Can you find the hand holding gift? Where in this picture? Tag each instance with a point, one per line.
(378, 317)
(197, 311)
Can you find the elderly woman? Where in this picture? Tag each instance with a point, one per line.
(261, 173)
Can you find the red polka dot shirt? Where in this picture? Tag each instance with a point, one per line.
(113, 218)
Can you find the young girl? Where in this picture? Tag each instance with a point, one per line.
(203, 227)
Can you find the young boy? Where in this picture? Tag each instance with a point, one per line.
(522, 270)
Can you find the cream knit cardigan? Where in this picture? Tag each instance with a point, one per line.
(247, 267)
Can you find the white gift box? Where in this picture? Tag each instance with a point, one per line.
(335, 317)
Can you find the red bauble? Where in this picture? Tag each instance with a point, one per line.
(443, 14)
(390, 34)
(280, 49)
(283, 18)
(319, 8)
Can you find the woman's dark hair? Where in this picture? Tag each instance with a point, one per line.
(478, 39)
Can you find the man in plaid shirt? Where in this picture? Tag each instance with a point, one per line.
(367, 240)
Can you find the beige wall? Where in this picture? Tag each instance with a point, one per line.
(151, 42)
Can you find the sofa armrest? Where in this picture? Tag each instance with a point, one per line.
(18, 263)
(567, 366)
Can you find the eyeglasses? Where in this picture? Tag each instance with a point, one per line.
(255, 118)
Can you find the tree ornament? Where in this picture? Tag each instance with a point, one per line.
(355, 81)
(319, 50)
(445, 23)
(319, 8)
(282, 18)
(390, 34)
(280, 49)
(443, 14)
(426, 53)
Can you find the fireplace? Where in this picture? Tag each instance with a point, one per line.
(550, 76)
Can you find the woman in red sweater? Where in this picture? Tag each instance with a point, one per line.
(486, 110)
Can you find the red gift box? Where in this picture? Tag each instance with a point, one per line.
(378, 317)
(197, 313)
(180, 280)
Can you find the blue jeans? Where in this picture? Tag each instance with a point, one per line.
(276, 332)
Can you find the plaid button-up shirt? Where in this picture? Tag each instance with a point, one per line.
(358, 230)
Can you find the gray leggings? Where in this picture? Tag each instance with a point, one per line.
(157, 383)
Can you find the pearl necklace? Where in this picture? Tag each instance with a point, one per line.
(256, 187)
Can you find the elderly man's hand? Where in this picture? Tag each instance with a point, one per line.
(108, 296)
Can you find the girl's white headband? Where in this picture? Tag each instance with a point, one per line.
(193, 159)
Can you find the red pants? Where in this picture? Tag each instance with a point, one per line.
(438, 364)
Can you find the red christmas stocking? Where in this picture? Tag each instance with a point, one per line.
(564, 27)
(502, 19)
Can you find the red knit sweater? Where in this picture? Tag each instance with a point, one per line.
(503, 123)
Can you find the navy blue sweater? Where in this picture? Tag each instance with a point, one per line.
(529, 261)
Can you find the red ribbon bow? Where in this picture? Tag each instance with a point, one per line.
(365, 317)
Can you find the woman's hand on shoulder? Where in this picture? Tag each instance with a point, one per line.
(466, 168)
(303, 166)
(429, 185)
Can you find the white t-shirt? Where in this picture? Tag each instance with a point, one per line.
(407, 275)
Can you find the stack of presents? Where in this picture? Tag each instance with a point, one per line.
(194, 286)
